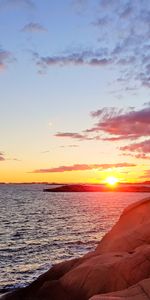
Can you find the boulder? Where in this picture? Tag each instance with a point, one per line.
(130, 231)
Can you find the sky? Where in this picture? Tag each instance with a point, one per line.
(75, 90)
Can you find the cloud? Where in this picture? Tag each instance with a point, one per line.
(15, 159)
(33, 27)
(120, 125)
(141, 150)
(118, 138)
(17, 4)
(5, 58)
(126, 12)
(69, 146)
(78, 136)
(106, 112)
(123, 28)
(115, 125)
(120, 40)
(146, 175)
(83, 167)
(83, 58)
(147, 103)
(101, 22)
(2, 157)
(73, 135)
(80, 5)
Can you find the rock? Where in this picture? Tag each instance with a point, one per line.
(130, 231)
(139, 291)
(114, 270)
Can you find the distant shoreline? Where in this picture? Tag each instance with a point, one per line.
(70, 183)
(101, 188)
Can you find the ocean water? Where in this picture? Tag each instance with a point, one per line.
(40, 229)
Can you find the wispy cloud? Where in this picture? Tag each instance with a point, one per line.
(80, 6)
(2, 158)
(84, 167)
(45, 151)
(139, 150)
(115, 125)
(6, 57)
(78, 136)
(69, 146)
(15, 159)
(123, 27)
(33, 28)
(88, 58)
(73, 135)
(118, 124)
(17, 4)
(122, 42)
(106, 112)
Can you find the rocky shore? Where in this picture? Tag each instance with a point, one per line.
(119, 268)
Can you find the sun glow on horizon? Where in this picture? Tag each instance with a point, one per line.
(111, 180)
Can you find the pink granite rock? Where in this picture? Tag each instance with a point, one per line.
(130, 231)
(139, 291)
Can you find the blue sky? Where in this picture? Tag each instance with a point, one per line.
(59, 62)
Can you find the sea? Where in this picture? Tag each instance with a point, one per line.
(38, 230)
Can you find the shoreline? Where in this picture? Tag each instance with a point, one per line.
(79, 188)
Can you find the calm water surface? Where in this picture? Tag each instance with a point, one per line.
(39, 229)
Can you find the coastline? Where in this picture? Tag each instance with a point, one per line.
(79, 188)
(117, 267)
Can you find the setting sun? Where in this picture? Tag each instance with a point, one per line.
(111, 180)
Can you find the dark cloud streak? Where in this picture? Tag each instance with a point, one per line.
(73, 135)
(81, 58)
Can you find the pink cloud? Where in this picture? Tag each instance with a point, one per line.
(115, 125)
(84, 167)
(122, 125)
(141, 150)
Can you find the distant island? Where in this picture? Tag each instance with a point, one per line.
(75, 188)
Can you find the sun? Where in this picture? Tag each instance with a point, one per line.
(111, 180)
